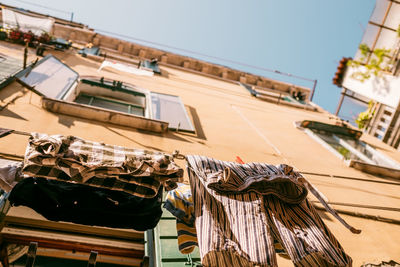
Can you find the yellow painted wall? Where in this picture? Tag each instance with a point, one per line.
(232, 123)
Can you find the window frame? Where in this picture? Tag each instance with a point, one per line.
(125, 94)
(390, 167)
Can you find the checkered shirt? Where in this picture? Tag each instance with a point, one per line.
(72, 159)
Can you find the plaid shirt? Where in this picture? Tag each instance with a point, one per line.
(72, 159)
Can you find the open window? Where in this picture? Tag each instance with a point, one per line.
(294, 98)
(345, 143)
(97, 98)
(150, 65)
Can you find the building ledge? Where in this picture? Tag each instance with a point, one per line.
(103, 115)
(374, 169)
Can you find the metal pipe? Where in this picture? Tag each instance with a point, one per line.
(313, 90)
(344, 90)
(379, 30)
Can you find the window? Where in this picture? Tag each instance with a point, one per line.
(108, 103)
(344, 142)
(54, 80)
(296, 99)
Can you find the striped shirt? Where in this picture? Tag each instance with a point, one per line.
(238, 229)
(232, 230)
(72, 159)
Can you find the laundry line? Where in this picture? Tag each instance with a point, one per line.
(178, 155)
(361, 206)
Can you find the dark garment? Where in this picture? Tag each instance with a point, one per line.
(83, 204)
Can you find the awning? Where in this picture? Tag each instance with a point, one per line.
(26, 23)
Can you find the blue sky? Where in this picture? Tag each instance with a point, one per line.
(305, 38)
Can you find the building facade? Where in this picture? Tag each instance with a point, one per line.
(373, 74)
(194, 107)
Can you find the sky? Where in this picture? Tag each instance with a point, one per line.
(304, 38)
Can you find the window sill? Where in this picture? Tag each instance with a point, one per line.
(374, 169)
(103, 115)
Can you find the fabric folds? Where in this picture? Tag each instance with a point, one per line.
(180, 203)
(72, 159)
(241, 208)
(83, 204)
(232, 230)
(262, 179)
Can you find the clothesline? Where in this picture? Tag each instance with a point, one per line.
(361, 206)
(178, 155)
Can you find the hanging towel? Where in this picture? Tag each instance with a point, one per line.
(72, 159)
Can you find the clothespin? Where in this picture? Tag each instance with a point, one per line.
(178, 155)
(239, 160)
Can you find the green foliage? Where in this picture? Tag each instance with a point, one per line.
(379, 60)
(398, 31)
(344, 152)
(365, 116)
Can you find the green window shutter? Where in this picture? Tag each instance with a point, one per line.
(166, 245)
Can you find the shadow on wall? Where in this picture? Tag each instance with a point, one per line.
(69, 121)
(8, 113)
(197, 123)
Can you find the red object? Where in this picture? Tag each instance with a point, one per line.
(15, 35)
(338, 78)
(239, 160)
(28, 37)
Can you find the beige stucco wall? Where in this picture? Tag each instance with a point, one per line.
(231, 123)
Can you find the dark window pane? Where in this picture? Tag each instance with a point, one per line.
(83, 99)
(103, 103)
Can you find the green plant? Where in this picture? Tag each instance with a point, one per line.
(378, 60)
(398, 31)
(364, 117)
(344, 152)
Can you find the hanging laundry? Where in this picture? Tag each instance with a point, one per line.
(280, 181)
(83, 204)
(13, 19)
(72, 159)
(238, 228)
(125, 68)
(303, 234)
(180, 203)
(10, 173)
(232, 230)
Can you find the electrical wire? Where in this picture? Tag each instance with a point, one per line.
(181, 49)
(361, 206)
(204, 55)
(41, 6)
